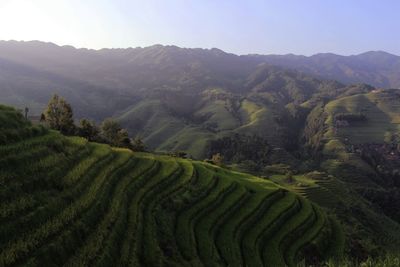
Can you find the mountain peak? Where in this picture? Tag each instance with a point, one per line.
(377, 53)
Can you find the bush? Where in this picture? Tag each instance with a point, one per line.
(350, 117)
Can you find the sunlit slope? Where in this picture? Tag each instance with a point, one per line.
(165, 129)
(359, 120)
(382, 117)
(65, 201)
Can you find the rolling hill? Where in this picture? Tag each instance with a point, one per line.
(66, 201)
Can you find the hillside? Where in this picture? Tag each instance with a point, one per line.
(273, 104)
(174, 98)
(376, 68)
(364, 130)
(32, 71)
(167, 95)
(355, 140)
(66, 201)
(381, 110)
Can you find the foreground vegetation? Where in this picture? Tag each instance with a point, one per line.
(67, 201)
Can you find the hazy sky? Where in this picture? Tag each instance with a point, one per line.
(241, 27)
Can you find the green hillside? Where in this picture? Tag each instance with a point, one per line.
(174, 119)
(173, 98)
(382, 117)
(66, 201)
(363, 131)
(355, 140)
(217, 113)
(365, 226)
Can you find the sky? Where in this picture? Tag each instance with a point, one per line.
(238, 26)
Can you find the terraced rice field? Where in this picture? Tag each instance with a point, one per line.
(381, 110)
(67, 202)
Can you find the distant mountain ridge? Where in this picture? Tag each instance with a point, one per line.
(376, 68)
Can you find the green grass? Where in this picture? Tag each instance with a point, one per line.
(66, 201)
(218, 115)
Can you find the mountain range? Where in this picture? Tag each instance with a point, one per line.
(180, 92)
(377, 68)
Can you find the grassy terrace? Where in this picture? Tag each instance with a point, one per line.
(65, 201)
(381, 110)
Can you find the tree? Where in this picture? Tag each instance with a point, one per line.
(217, 159)
(113, 134)
(123, 139)
(138, 145)
(109, 130)
(59, 115)
(88, 130)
